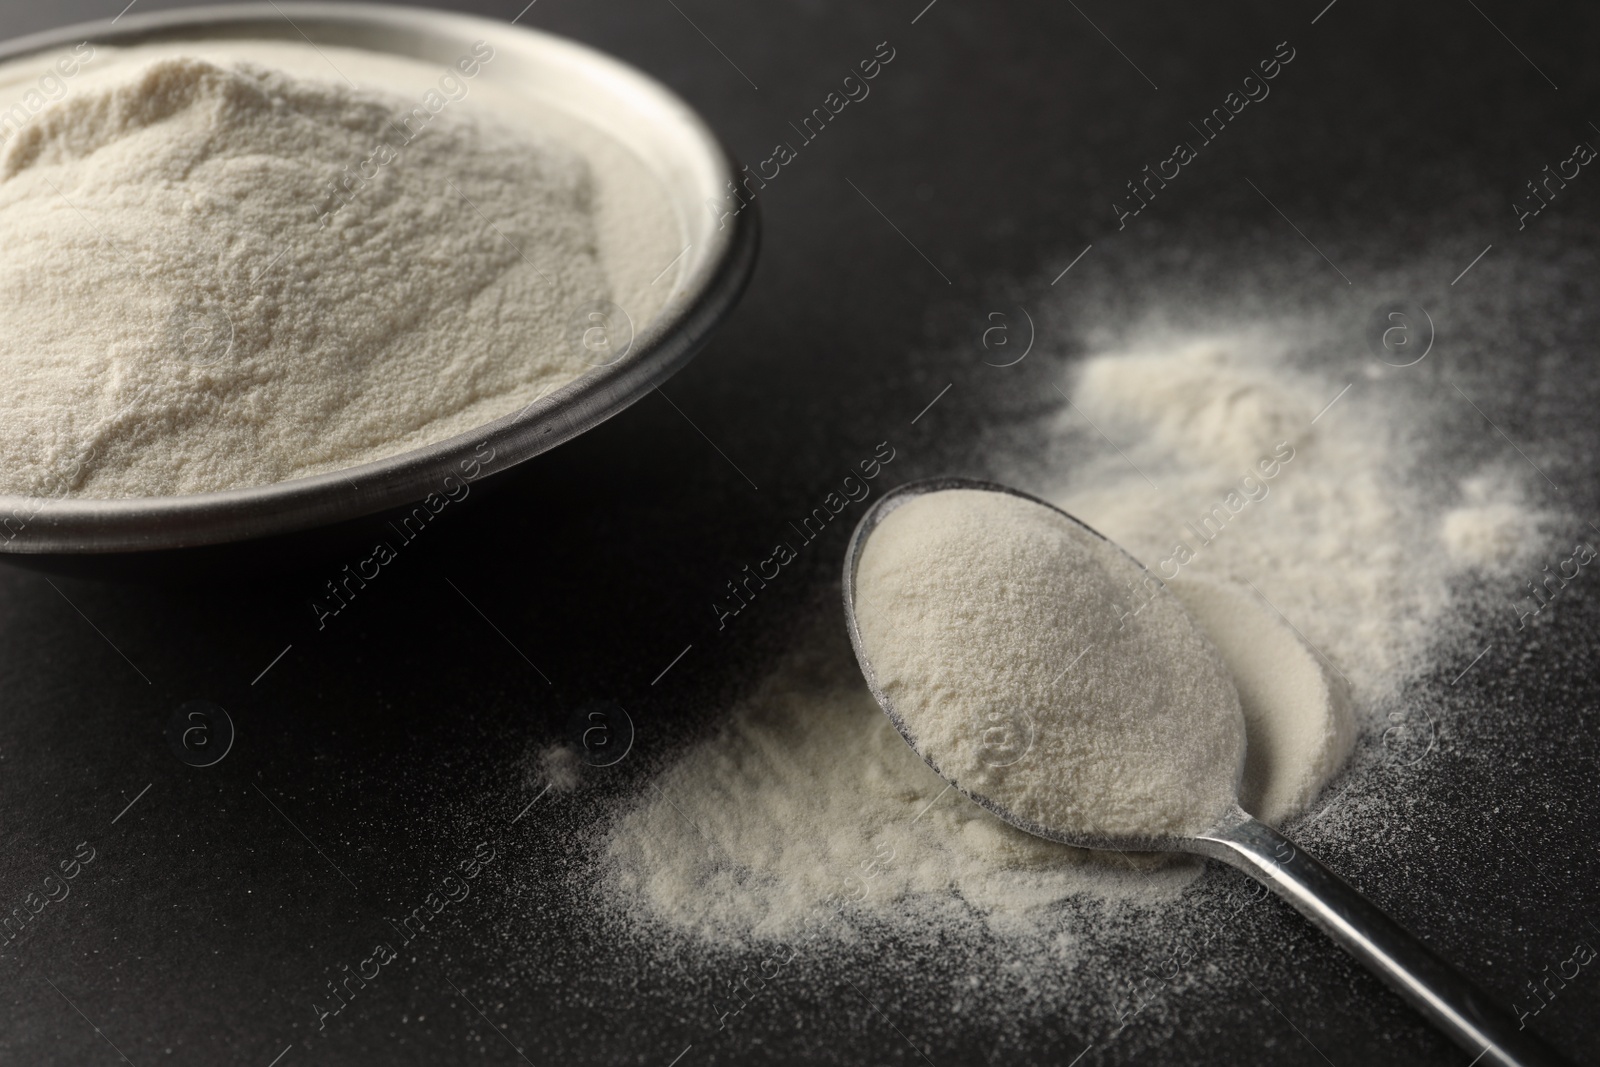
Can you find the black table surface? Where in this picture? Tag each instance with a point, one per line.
(374, 754)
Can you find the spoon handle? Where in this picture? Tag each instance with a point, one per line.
(1445, 996)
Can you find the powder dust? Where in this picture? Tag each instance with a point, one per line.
(1342, 540)
(807, 817)
(808, 809)
(556, 767)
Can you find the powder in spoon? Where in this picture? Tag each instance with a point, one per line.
(234, 263)
(1036, 664)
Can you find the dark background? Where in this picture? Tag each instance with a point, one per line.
(376, 753)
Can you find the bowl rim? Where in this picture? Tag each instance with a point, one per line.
(46, 525)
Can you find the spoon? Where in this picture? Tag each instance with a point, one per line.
(1441, 993)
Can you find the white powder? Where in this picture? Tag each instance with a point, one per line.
(1491, 524)
(1198, 403)
(184, 307)
(985, 615)
(807, 817)
(556, 767)
(807, 801)
(1337, 539)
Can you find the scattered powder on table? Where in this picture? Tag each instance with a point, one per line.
(1223, 472)
(1002, 633)
(808, 800)
(557, 767)
(185, 307)
(807, 812)
(1319, 563)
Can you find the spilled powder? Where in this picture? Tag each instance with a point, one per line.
(558, 767)
(807, 811)
(1306, 546)
(1338, 540)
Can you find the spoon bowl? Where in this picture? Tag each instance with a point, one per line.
(1441, 993)
(870, 521)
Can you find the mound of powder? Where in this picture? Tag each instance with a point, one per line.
(1491, 525)
(1201, 397)
(808, 812)
(1209, 456)
(185, 307)
(986, 615)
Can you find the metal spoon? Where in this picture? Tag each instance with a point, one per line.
(1440, 992)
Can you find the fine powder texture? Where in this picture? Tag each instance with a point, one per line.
(180, 311)
(1033, 666)
(1324, 586)
(808, 813)
(808, 800)
(1220, 470)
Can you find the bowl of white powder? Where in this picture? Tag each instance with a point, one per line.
(273, 268)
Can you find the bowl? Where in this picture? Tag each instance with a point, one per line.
(167, 534)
